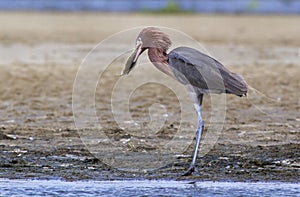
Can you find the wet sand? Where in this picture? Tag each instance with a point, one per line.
(40, 55)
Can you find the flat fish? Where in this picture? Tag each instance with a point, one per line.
(129, 64)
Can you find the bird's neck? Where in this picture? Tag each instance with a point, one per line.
(157, 55)
(159, 59)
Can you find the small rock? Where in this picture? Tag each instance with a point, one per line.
(7, 137)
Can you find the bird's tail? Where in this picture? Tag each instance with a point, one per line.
(238, 85)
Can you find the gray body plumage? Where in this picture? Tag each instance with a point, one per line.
(203, 73)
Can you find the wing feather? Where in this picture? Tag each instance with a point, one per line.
(191, 67)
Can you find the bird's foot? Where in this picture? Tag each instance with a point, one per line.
(190, 171)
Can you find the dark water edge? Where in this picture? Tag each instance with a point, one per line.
(145, 188)
(207, 6)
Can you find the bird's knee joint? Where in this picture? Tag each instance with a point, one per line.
(201, 123)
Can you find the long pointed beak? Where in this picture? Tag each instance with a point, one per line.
(132, 60)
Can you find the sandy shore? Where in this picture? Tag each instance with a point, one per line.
(34, 28)
(40, 54)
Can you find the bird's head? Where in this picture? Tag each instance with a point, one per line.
(149, 37)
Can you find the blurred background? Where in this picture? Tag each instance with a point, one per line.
(164, 6)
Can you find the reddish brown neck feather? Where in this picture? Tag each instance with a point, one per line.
(159, 58)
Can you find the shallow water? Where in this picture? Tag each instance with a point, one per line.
(145, 188)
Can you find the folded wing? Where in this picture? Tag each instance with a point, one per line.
(191, 67)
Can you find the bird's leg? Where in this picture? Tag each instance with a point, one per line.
(198, 107)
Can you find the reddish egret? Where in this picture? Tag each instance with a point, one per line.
(199, 73)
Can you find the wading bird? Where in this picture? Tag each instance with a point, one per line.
(199, 73)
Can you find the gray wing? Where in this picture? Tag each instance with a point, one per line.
(191, 67)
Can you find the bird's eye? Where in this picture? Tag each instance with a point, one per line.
(138, 41)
